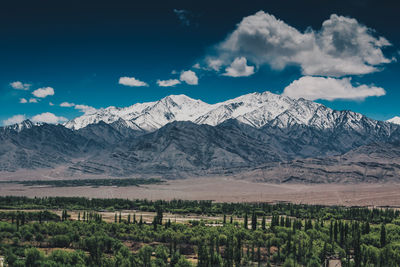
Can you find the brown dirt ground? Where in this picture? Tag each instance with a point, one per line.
(223, 189)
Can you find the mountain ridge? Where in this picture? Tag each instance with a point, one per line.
(255, 109)
(193, 138)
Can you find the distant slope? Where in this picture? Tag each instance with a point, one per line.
(180, 137)
(41, 146)
(373, 163)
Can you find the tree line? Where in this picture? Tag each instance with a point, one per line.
(254, 239)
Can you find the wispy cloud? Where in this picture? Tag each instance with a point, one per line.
(67, 104)
(85, 109)
(82, 108)
(168, 83)
(20, 85)
(183, 16)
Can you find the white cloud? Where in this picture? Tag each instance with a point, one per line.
(20, 85)
(189, 77)
(14, 119)
(67, 104)
(168, 83)
(43, 92)
(239, 68)
(313, 88)
(33, 100)
(51, 104)
(197, 66)
(131, 81)
(23, 100)
(85, 109)
(341, 47)
(214, 64)
(48, 117)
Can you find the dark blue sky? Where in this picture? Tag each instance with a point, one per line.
(82, 48)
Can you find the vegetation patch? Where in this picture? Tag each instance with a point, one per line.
(261, 235)
(90, 182)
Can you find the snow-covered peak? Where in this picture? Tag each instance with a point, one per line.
(395, 120)
(255, 109)
(26, 124)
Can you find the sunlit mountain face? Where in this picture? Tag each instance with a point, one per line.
(178, 136)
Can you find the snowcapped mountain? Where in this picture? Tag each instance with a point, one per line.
(255, 109)
(18, 127)
(146, 116)
(395, 120)
(178, 136)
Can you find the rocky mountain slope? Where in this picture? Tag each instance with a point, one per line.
(373, 163)
(179, 137)
(256, 109)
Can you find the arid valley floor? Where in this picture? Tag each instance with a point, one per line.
(223, 189)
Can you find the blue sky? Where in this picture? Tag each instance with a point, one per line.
(81, 50)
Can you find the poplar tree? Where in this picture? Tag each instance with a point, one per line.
(383, 236)
(254, 221)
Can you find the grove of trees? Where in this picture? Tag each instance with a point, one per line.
(260, 235)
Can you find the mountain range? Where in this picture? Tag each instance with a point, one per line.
(263, 136)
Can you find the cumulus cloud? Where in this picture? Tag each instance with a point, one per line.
(85, 109)
(328, 88)
(23, 100)
(20, 85)
(189, 77)
(33, 100)
(43, 92)
(67, 104)
(239, 68)
(168, 83)
(131, 81)
(14, 119)
(48, 117)
(51, 104)
(341, 47)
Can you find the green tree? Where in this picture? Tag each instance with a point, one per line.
(383, 236)
(145, 255)
(33, 257)
(263, 223)
(254, 221)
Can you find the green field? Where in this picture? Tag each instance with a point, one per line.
(228, 234)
